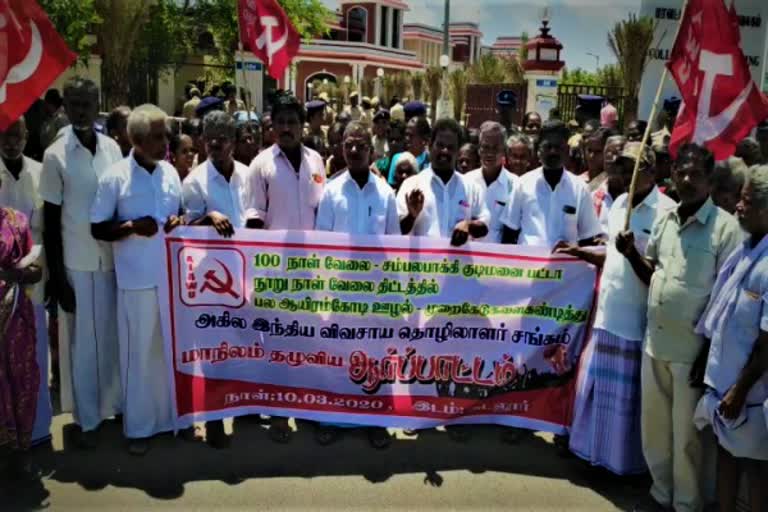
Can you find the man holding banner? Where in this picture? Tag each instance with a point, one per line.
(213, 196)
(285, 184)
(358, 203)
(135, 197)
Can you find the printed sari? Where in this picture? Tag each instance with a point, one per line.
(19, 373)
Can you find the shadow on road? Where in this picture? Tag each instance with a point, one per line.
(171, 462)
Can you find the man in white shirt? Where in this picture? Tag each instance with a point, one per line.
(553, 207)
(82, 277)
(213, 196)
(359, 203)
(20, 190)
(497, 184)
(606, 423)
(439, 202)
(285, 183)
(136, 197)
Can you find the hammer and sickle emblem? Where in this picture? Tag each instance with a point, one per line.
(265, 39)
(216, 285)
(26, 68)
(710, 127)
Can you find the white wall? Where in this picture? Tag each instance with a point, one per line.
(753, 41)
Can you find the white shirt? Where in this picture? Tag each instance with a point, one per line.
(128, 192)
(622, 302)
(497, 196)
(445, 204)
(281, 197)
(346, 208)
(69, 178)
(205, 190)
(605, 205)
(24, 195)
(545, 216)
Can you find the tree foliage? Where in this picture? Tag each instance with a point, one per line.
(493, 69)
(630, 40)
(458, 80)
(75, 20)
(606, 76)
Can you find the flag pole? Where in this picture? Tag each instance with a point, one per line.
(242, 67)
(651, 117)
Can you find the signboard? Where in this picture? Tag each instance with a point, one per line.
(753, 18)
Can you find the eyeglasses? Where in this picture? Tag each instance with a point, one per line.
(360, 146)
(491, 150)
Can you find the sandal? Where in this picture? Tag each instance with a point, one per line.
(459, 433)
(280, 431)
(379, 438)
(327, 434)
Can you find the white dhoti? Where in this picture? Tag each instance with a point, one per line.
(42, 429)
(745, 437)
(148, 406)
(89, 354)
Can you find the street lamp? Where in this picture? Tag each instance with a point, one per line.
(445, 60)
(379, 76)
(597, 58)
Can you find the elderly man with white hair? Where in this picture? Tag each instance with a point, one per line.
(136, 198)
(736, 324)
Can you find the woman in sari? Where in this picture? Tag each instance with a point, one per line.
(19, 373)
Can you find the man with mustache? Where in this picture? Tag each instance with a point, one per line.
(357, 202)
(82, 276)
(554, 207)
(213, 196)
(687, 247)
(136, 199)
(285, 183)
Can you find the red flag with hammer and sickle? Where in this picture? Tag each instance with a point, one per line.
(721, 103)
(266, 31)
(32, 56)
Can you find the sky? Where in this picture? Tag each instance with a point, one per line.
(580, 25)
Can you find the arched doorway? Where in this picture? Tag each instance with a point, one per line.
(319, 81)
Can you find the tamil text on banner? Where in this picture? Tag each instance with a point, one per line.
(389, 331)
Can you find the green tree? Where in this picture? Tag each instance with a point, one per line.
(417, 83)
(492, 69)
(457, 86)
(434, 83)
(75, 21)
(523, 55)
(630, 40)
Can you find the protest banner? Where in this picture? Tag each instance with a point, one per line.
(391, 331)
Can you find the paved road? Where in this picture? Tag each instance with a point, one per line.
(426, 473)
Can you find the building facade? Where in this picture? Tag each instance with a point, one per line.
(366, 36)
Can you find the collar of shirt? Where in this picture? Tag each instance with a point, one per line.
(214, 174)
(701, 216)
(349, 181)
(24, 168)
(503, 180)
(431, 176)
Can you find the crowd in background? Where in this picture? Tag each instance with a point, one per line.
(677, 355)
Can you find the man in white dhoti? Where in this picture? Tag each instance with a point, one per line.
(82, 278)
(213, 195)
(736, 324)
(20, 176)
(136, 197)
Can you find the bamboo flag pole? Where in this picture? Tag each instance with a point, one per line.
(241, 58)
(651, 117)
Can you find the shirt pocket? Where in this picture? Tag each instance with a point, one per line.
(377, 224)
(697, 266)
(571, 227)
(134, 204)
(341, 214)
(747, 312)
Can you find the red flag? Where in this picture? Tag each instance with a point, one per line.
(721, 103)
(32, 56)
(266, 31)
